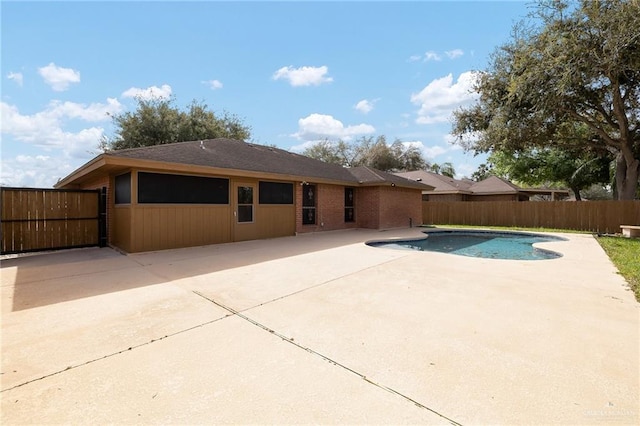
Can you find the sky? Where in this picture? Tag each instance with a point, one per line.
(295, 72)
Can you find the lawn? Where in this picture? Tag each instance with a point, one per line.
(625, 254)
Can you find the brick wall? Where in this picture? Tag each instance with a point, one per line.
(329, 209)
(399, 207)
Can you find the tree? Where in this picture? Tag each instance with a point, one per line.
(159, 121)
(367, 151)
(571, 83)
(551, 167)
(445, 169)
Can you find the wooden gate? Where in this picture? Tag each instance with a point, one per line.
(51, 219)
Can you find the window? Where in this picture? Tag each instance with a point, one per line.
(180, 189)
(275, 193)
(123, 189)
(308, 204)
(349, 213)
(245, 204)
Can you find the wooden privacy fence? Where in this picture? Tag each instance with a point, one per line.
(592, 216)
(47, 219)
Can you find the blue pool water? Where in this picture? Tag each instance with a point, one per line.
(486, 244)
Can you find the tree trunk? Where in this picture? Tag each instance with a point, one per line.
(627, 176)
(576, 193)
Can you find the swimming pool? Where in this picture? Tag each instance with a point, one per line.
(485, 244)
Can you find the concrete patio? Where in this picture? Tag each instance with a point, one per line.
(318, 329)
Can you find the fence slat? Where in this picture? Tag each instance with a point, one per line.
(590, 216)
(44, 219)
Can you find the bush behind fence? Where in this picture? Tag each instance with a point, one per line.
(592, 216)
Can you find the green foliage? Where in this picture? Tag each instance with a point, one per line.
(159, 121)
(367, 151)
(445, 169)
(551, 167)
(569, 82)
(623, 252)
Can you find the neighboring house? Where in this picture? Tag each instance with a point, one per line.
(492, 188)
(221, 190)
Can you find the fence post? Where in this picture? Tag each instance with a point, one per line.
(102, 221)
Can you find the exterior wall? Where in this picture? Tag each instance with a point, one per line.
(399, 207)
(329, 209)
(165, 226)
(105, 182)
(368, 215)
(495, 197)
(446, 197)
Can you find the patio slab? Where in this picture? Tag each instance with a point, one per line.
(319, 329)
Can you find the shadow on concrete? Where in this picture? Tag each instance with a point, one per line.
(56, 277)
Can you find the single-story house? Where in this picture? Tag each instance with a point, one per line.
(492, 188)
(222, 190)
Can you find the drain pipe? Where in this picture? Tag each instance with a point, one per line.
(410, 223)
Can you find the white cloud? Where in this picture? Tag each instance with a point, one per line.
(153, 92)
(365, 106)
(318, 127)
(213, 84)
(40, 171)
(430, 152)
(455, 53)
(303, 76)
(59, 78)
(48, 129)
(17, 77)
(415, 58)
(440, 97)
(431, 56)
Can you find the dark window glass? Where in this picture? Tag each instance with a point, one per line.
(275, 193)
(349, 202)
(180, 189)
(245, 204)
(308, 204)
(123, 189)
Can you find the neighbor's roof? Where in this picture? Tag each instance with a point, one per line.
(441, 184)
(494, 185)
(232, 157)
(490, 186)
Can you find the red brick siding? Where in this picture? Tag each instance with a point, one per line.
(367, 203)
(399, 207)
(329, 209)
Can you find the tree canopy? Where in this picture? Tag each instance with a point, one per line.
(367, 151)
(550, 167)
(159, 121)
(569, 82)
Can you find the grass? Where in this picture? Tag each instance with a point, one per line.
(623, 252)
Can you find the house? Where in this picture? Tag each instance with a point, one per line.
(221, 190)
(492, 188)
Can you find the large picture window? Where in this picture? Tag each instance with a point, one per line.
(349, 203)
(123, 189)
(275, 193)
(309, 204)
(181, 189)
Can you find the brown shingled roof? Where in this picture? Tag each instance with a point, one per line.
(238, 155)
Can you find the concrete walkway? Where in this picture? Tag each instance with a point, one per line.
(318, 329)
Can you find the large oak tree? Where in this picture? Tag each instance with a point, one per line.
(571, 69)
(158, 121)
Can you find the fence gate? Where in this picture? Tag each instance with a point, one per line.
(49, 219)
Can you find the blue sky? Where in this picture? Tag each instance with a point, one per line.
(296, 72)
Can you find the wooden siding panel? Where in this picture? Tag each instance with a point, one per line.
(159, 227)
